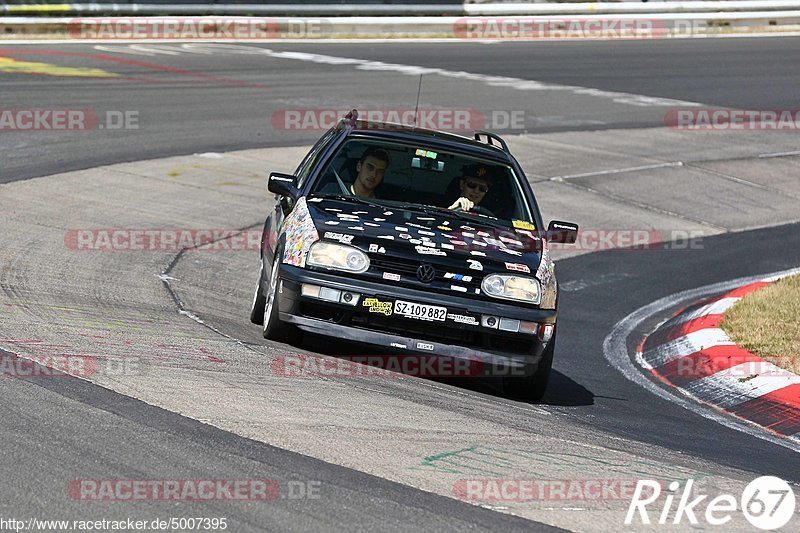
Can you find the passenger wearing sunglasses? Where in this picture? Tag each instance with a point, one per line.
(476, 180)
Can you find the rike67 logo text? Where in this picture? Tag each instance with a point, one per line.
(767, 503)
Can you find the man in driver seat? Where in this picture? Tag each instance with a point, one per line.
(369, 172)
(476, 180)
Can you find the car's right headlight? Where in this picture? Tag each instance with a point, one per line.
(337, 256)
(512, 287)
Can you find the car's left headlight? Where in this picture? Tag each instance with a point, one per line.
(338, 256)
(513, 287)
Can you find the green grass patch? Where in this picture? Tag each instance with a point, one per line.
(767, 323)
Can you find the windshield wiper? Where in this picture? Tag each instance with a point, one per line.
(348, 198)
(434, 210)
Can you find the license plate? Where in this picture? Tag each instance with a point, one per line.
(419, 311)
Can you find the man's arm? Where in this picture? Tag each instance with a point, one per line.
(463, 204)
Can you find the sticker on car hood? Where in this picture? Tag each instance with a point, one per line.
(343, 238)
(426, 250)
(518, 267)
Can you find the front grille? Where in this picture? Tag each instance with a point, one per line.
(447, 332)
(432, 331)
(397, 266)
(408, 268)
(418, 329)
(322, 312)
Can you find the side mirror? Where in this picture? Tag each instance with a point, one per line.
(562, 232)
(283, 185)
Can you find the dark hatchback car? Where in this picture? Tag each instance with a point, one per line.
(414, 242)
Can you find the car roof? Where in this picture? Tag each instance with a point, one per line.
(408, 133)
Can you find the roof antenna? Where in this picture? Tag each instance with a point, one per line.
(416, 107)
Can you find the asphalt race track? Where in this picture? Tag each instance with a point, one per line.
(200, 95)
(203, 400)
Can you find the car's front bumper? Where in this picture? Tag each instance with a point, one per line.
(498, 351)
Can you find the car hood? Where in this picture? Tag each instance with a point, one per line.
(434, 237)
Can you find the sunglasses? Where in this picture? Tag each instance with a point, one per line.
(483, 188)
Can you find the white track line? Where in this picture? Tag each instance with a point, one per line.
(717, 307)
(519, 84)
(492, 81)
(686, 345)
(618, 171)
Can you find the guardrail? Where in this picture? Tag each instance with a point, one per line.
(327, 10)
(587, 8)
(446, 8)
(623, 26)
(488, 21)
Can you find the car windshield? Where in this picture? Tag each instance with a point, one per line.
(419, 177)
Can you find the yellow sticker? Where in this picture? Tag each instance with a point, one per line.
(377, 306)
(521, 224)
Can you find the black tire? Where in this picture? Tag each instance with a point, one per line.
(259, 300)
(273, 328)
(532, 388)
